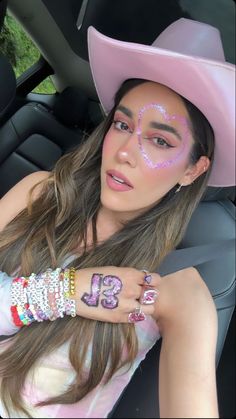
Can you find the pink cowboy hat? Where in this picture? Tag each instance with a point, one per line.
(187, 57)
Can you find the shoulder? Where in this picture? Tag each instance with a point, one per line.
(16, 198)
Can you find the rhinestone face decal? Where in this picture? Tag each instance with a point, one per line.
(166, 152)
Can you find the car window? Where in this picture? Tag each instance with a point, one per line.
(21, 51)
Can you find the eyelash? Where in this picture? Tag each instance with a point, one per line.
(117, 121)
(166, 145)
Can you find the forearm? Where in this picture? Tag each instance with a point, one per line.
(187, 379)
(48, 296)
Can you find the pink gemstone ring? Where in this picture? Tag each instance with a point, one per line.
(136, 316)
(149, 296)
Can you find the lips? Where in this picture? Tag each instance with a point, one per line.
(119, 178)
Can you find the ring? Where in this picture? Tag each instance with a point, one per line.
(148, 277)
(149, 296)
(136, 316)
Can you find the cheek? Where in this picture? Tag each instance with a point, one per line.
(165, 178)
(108, 146)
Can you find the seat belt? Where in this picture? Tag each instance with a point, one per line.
(196, 255)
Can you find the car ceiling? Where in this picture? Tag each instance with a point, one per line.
(133, 21)
(121, 19)
(62, 42)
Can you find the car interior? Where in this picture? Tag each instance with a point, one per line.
(37, 129)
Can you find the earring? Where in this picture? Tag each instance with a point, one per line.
(178, 189)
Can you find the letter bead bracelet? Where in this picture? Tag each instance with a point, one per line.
(45, 296)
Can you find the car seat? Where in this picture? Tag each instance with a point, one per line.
(36, 136)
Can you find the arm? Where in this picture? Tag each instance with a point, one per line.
(188, 324)
(113, 295)
(10, 205)
(16, 199)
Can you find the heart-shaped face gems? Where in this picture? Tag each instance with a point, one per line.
(162, 137)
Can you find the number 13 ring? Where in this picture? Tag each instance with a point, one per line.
(136, 315)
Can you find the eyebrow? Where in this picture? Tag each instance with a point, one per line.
(166, 127)
(153, 124)
(125, 110)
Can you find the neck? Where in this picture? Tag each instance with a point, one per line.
(108, 223)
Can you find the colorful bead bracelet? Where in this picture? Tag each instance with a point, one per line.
(46, 296)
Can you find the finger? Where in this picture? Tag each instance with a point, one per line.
(152, 279)
(131, 291)
(139, 313)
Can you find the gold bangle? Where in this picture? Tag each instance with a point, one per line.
(72, 281)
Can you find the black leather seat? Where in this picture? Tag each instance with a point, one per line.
(35, 137)
(32, 139)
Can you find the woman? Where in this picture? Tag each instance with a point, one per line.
(113, 209)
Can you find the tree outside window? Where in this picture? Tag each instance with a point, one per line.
(16, 45)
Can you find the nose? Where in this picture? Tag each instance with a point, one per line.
(127, 152)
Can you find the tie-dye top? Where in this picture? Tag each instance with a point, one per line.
(59, 373)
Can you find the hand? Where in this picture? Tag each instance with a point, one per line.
(111, 293)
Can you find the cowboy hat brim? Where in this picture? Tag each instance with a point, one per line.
(208, 84)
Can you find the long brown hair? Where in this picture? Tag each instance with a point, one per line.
(51, 228)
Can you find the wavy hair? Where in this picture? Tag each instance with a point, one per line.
(50, 229)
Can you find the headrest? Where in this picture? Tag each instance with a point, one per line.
(71, 107)
(7, 85)
(219, 193)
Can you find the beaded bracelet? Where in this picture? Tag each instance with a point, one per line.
(46, 296)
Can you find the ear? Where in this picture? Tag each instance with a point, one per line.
(194, 171)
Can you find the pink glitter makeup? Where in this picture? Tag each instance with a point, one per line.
(170, 147)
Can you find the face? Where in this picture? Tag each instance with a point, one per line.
(146, 150)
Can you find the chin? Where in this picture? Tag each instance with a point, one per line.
(116, 203)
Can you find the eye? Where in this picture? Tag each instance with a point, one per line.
(121, 126)
(159, 142)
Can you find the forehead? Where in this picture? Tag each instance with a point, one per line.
(150, 92)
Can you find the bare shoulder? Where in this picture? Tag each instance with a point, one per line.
(190, 278)
(190, 272)
(16, 198)
(184, 296)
